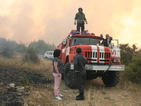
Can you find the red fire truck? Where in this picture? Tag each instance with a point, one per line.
(103, 61)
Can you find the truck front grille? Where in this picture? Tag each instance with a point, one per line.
(95, 54)
(93, 57)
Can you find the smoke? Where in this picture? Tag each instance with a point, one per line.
(30, 20)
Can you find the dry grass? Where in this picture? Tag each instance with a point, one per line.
(96, 94)
(12, 62)
(40, 97)
(45, 67)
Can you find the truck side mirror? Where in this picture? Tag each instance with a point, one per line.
(112, 45)
(64, 42)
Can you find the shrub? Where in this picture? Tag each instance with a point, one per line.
(133, 70)
(31, 56)
(7, 53)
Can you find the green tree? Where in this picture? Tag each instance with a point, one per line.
(41, 47)
(31, 56)
(2, 43)
(8, 53)
(127, 53)
(133, 69)
(7, 44)
(21, 48)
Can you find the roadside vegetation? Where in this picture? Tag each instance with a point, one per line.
(131, 58)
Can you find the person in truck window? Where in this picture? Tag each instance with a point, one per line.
(79, 69)
(57, 73)
(80, 19)
(106, 42)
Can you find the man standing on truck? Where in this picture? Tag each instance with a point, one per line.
(80, 19)
(79, 69)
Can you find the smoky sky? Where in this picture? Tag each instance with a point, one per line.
(52, 20)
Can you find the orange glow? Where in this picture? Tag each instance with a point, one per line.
(29, 20)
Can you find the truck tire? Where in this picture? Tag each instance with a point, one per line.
(69, 77)
(111, 78)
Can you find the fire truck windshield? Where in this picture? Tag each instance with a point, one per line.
(85, 41)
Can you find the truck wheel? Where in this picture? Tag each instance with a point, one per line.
(111, 78)
(69, 77)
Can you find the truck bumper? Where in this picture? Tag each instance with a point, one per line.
(102, 67)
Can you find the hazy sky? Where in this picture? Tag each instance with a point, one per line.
(52, 20)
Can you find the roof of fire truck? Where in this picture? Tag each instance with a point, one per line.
(85, 33)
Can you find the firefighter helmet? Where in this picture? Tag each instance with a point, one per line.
(80, 8)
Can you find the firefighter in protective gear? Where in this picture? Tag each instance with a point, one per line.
(80, 20)
(80, 72)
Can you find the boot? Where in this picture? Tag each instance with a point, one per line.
(80, 96)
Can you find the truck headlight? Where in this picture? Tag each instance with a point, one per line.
(114, 60)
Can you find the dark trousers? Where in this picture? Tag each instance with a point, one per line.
(80, 77)
(80, 25)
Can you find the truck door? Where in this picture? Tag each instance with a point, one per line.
(63, 50)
